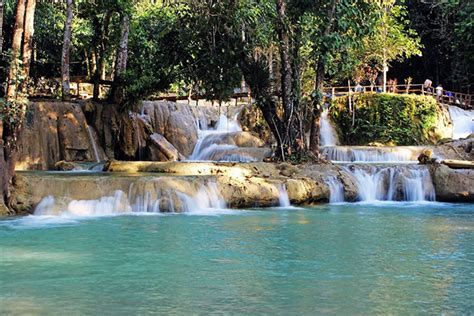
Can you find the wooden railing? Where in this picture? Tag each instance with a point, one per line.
(463, 100)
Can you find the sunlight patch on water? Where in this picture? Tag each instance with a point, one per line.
(20, 254)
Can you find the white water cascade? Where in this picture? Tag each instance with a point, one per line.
(207, 200)
(216, 144)
(372, 154)
(336, 190)
(283, 197)
(463, 122)
(328, 133)
(393, 184)
(90, 131)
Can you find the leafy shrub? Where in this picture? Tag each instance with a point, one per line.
(385, 118)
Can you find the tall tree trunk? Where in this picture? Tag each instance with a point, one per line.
(13, 74)
(285, 69)
(121, 62)
(66, 51)
(319, 83)
(10, 122)
(28, 41)
(102, 47)
(1, 25)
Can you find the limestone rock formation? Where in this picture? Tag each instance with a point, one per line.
(175, 122)
(54, 131)
(453, 185)
(162, 150)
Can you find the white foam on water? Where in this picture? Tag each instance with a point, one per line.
(283, 198)
(393, 184)
(372, 154)
(336, 190)
(217, 145)
(207, 201)
(328, 134)
(91, 132)
(463, 122)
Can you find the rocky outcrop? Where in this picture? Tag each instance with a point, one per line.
(239, 185)
(453, 185)
(54, 131)
(457, 149)
(162, 150)
(176, 122)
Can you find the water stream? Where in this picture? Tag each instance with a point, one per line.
(91, 132)
(217, 144)
(206, 200)
(397, 183)
(463, 122)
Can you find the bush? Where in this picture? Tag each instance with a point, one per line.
(386, 118)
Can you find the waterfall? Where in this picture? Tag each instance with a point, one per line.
(372, 154)
(336, 190)
(206, 200)
(217, 144)
(90, 131)
(328, 133)
(283, 198)
(393, 184)
(463, 122)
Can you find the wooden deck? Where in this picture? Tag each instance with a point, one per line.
(462, 100)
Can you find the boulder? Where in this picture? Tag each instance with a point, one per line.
(160, 149)
(176, 122)
(453, 185)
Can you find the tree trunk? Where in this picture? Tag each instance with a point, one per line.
(319, 83)
(66, 51)
(13, 74)
(316, 122)
(28, 41)
(9, 127)
(1, 26)
(285, 69)
(121, 62)
(102, 46)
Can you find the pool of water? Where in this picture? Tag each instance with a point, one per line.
(389, 258)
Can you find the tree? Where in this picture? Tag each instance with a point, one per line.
(13, 107)
(28, 41)
(66, 51)
(121, 62)
(18, 29)
(392, 39)
(1, 25)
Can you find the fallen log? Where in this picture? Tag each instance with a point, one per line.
(458, 164)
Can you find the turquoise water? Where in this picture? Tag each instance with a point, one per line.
(339, 259)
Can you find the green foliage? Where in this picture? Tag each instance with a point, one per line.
(385, 118)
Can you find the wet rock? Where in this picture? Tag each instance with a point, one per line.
(64, 166)
(453, 185)
(456, 149)
(175, 122)
(162, 150)
(53, 131)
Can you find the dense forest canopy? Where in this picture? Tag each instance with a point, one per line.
(284, 48)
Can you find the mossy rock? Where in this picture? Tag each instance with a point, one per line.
(388, 119)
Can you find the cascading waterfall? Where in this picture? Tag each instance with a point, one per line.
(90, 131)
(372, 154)
(393, 184)
(213, 144)
(336, 190)
(328, 133)
(463, 122)
(206, 200)
(283, 198)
